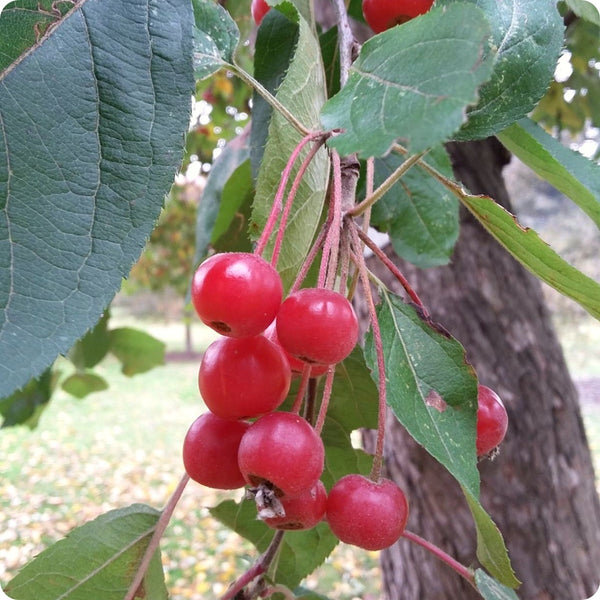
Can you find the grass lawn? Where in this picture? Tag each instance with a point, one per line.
(122, 446)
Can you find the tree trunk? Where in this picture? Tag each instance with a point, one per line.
(540, 489)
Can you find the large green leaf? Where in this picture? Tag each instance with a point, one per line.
(401, 88)
(276, 42)
(419, 213)
(91, 139)
(96, 560)
(567, 170)
(585, 9)
(216, 37)
(301, 552)
(137, 350)
(23, 24)
(533, 253)
(215, 204)
(490, 589)
(528, 35)
(302, 92)
(25, 406)
(491, 551)
(431, 388)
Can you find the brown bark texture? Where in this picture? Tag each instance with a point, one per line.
(540, 489)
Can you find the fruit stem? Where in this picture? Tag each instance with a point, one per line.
(331, 248)
(161, 525)
(360, 208)
(309, 407)
(380, 254)
(325, 401)
(270, 98)
(363, 274)
(443, 556)
(310, 257)
(301, 390)
(277, 202)
(291, 195)
(260, 567)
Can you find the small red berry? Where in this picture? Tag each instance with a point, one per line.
(284, 452)
(259, 8)
(238, 294)
(243, 377)
(318, 326)
(383, 14)
(367, 514)
(492, 420)
(302, 512)
(210, 450)
(296, 364)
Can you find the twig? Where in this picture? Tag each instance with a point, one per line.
(260, 567)
(443, 556)
(161, 525)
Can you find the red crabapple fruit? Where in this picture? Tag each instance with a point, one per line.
(318, 326)
(296, 364)
(301, 512)
(243, 377)
(210, 451)
(383, 14)
(492, 420)
(282, 451)
(237, 294)
(367, 514)
(258, 9)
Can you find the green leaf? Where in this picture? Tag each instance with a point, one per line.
(276, 42)
(302, 92)
(534, 254)
(231, 227)
(302, 593)
(137, 350)
(301, 552)
(23, 23)
(567, 170)
(87, 155)
(490, 589)
(399, 89)
(96, 560)
(82, 384)
(93, 346)
(431, 388)
(214, 205)
(25, 406)
(216, 37)
(529, 36)
(491, 550)
(584, 9)
(419, 213)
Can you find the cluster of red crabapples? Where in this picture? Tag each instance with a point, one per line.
(244, 377)
(379, 14)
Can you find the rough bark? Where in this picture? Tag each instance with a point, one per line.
(540, 489)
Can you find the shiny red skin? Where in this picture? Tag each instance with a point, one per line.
(367, 514)
(283, 450)
(302, 512)
(210, 450)
(259, 8)
(318, 326)
(383, 14)
(243, 377)
(237, 294)
(492, 420)
(296, 364)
